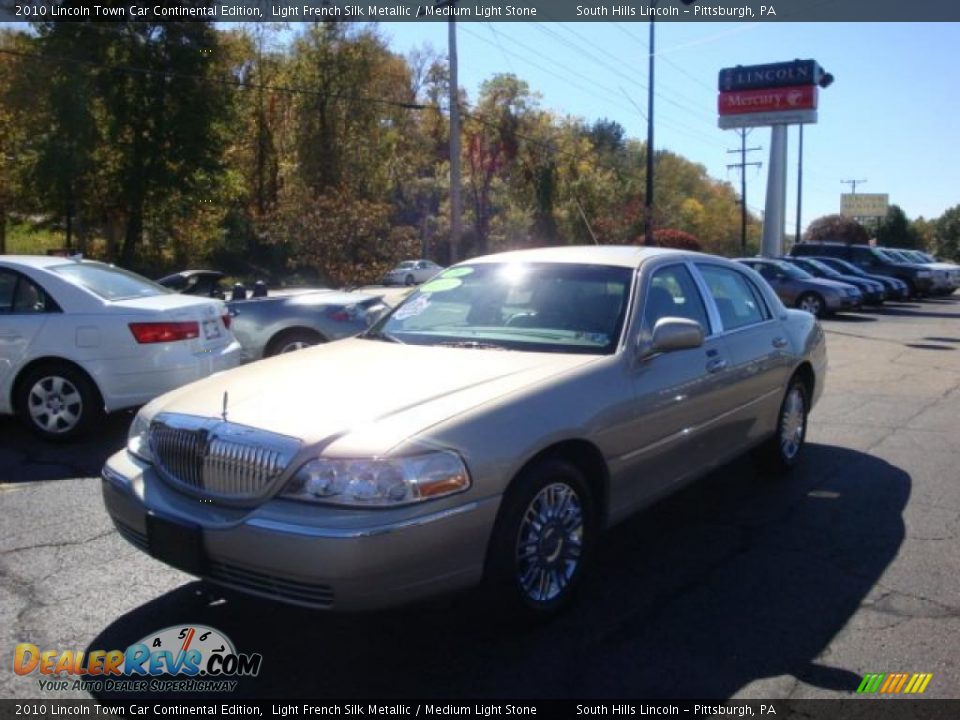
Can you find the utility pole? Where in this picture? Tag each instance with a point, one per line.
(648, 198)
(853, 184)
(742, 165)
(796, 237)
(455, 218)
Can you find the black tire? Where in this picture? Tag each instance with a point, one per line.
(292, 340)
(813, 303)
(58, 401)
(782, 451)
(409, 280)
(559, 549)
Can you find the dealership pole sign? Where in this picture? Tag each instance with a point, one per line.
(773, 94)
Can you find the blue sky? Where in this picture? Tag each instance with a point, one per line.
(891, 117)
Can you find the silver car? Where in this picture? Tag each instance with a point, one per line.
(411, 272)
(482, 433)
(288, 320)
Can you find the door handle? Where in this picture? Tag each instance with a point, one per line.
(779, 342)
(716, 365)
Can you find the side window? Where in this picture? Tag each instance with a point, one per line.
(767, 271)
(737, 301)
(21, 296)
(673, 293)
(8, 284)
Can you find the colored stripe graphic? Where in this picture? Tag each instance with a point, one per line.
(894, 683)
(871, 682)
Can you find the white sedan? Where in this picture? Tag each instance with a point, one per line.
(80, 338)
(411, 272)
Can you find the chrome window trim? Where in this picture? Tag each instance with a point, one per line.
(769, 315)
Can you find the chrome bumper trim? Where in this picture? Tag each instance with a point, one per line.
(342, 534)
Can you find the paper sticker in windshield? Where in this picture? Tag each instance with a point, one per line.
(456, 272)
(441, 285)
(412, 308)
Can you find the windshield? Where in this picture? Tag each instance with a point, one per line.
(109, 282)
(793, 272)
(822, 267)
(539, 307)
(406, 264)
(890, 256)
(844, 267)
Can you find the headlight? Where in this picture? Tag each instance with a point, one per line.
(379, 482)
(138, 439)
(923, 274)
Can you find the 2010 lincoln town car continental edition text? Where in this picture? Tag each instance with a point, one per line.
(482, 433)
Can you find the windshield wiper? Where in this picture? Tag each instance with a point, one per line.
(472, 345)
(381, 335)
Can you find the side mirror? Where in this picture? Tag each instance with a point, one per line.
(669, 335)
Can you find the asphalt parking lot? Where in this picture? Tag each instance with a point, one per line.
(738, 587)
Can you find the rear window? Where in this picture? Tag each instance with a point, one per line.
(109, 282)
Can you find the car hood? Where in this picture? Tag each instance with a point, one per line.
(366, 395)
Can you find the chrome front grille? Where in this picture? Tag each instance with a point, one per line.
(218, 458)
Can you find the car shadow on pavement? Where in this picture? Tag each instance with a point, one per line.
(24, 457)
(738, 577)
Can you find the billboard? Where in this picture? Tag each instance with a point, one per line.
(864, 205)
(737, 102)
(783, 74)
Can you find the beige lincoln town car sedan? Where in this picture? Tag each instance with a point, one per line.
(482, 433)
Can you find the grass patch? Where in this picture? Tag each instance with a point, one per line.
(23, 238)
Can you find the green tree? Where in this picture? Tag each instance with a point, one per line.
(948, 234)
(895, 230)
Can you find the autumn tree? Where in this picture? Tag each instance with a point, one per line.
(836, 228)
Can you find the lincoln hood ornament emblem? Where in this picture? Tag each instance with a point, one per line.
(223, 413)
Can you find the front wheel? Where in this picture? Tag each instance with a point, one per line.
(781, 452)
(541, 540)
(409, 280)
(812, 303)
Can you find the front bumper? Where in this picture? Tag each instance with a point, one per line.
(317, 557)
(845, 302)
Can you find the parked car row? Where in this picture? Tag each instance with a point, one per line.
(824, 278)
(921, 278)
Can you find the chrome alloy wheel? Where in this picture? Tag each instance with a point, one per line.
(549, 542)
(792, 423)
(294, 346)
(55, 404)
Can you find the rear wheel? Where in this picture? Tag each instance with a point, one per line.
(58, 401)
(291, 341)
(541, 540)
(812, 303)
(781, 452)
